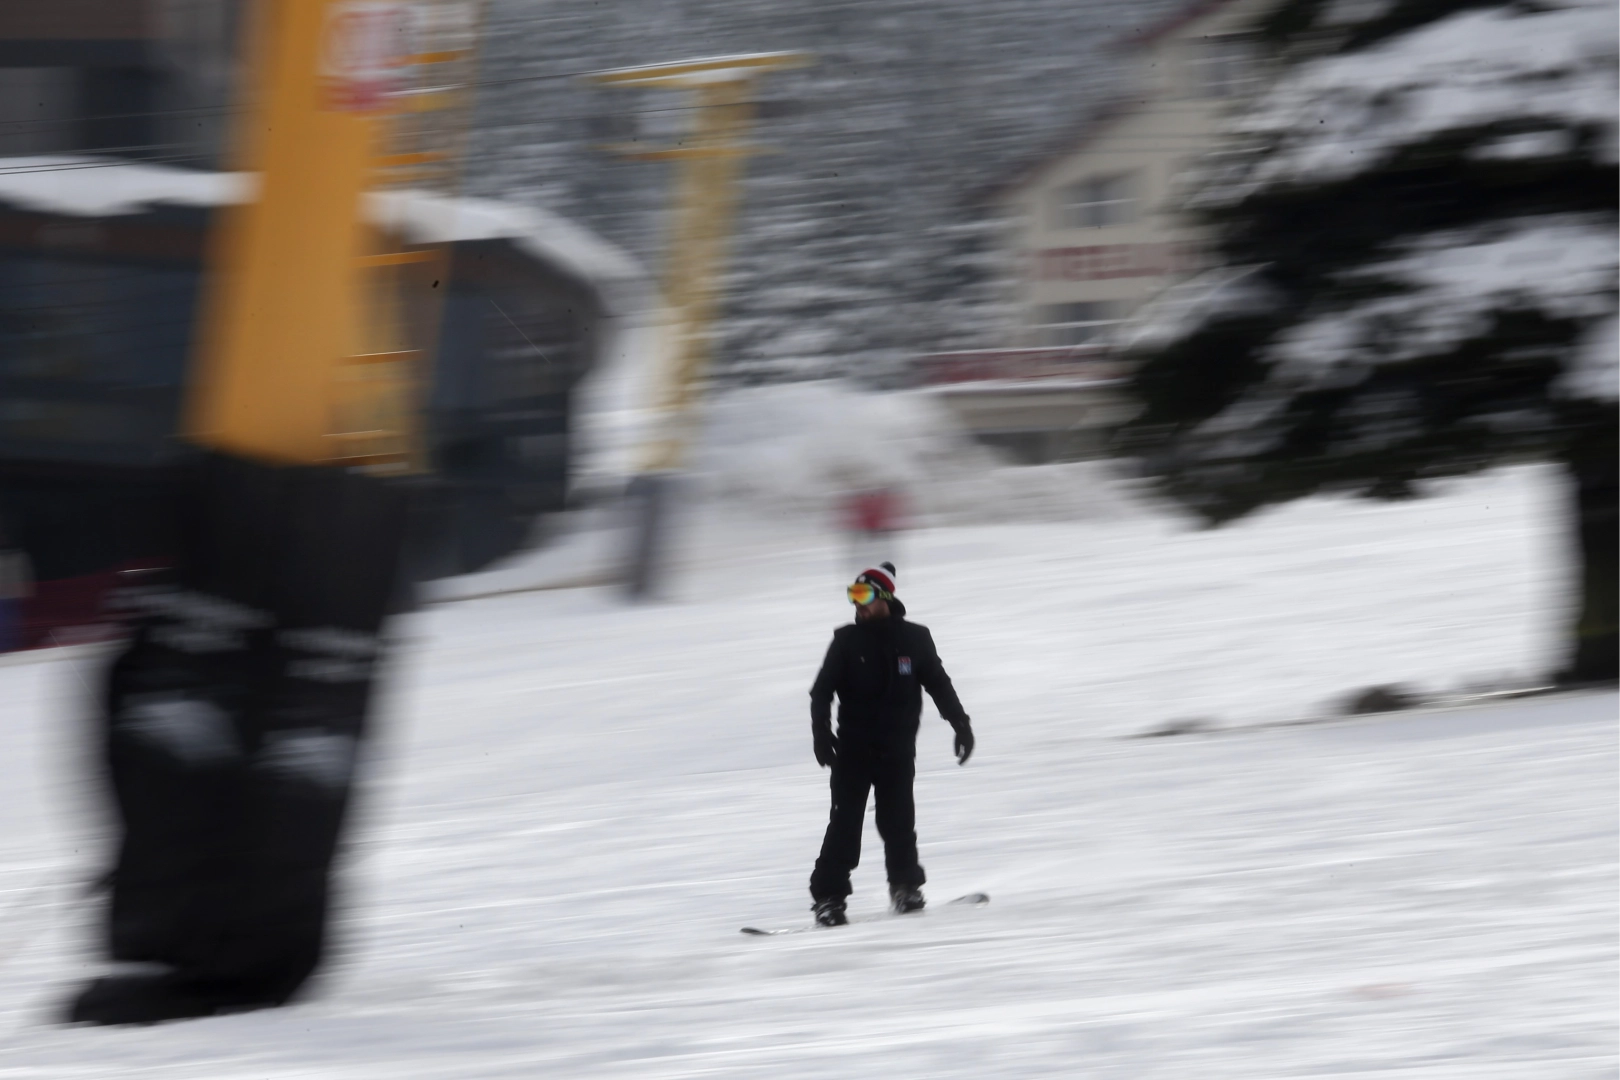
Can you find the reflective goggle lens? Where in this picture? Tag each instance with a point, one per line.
(862, 594)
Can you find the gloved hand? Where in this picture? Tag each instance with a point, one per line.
(964, 742)
(826, 744)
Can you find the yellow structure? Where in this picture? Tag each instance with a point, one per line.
(711, 157)
(311, 336)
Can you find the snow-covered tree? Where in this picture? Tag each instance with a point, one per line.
(1416, 226)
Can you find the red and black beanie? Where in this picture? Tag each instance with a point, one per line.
(880, 577)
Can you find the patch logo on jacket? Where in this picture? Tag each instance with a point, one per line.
(905, 665)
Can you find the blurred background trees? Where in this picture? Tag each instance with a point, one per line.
(859, 243)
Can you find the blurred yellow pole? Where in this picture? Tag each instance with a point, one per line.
(284, 304)
(710, 158)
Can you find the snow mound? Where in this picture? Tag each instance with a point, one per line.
(802, 448)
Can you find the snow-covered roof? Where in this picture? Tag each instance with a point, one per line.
(423, 217)
(107, 187)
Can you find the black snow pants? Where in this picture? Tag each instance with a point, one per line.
(866, 764)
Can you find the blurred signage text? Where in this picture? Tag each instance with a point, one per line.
(364, 52)
(1074, 363)
(1098, 262)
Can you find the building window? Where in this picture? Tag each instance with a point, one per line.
(1097, 201)
(1222, 66)
(1087, 322)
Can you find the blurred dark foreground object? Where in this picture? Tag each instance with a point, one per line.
(1380, 699)
(233, 720)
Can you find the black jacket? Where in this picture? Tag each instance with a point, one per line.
(879, 670)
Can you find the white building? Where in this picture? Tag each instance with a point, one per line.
(1094, 230)
(1093, 227)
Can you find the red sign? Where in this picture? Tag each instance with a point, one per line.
(364, 52)
(1083, 363)
(1100, 262)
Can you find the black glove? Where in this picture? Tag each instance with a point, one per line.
(826, 744)
(964, 742)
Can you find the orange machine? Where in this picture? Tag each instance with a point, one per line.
(264, 637)
(314, 325)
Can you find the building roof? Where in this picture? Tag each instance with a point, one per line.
(1079, 135)
(91, 186)
(1071, 141)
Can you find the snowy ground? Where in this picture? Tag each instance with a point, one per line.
(575, 804)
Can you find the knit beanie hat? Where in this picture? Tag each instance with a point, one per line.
(880, 577)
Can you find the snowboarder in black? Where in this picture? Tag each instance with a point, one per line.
(878, 667)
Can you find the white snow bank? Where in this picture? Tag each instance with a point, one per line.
(795, 453)
(803, 447)
(1333, 118)
(575, 803)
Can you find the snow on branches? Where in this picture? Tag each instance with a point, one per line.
(1549, 70)
(1431, 295)
(1444, 288)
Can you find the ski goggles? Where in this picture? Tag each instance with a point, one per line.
(861, 593)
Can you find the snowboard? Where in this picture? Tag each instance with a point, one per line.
(974, 899)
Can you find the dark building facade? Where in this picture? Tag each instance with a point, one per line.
(150, 79)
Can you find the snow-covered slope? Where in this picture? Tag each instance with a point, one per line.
(575, 803)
